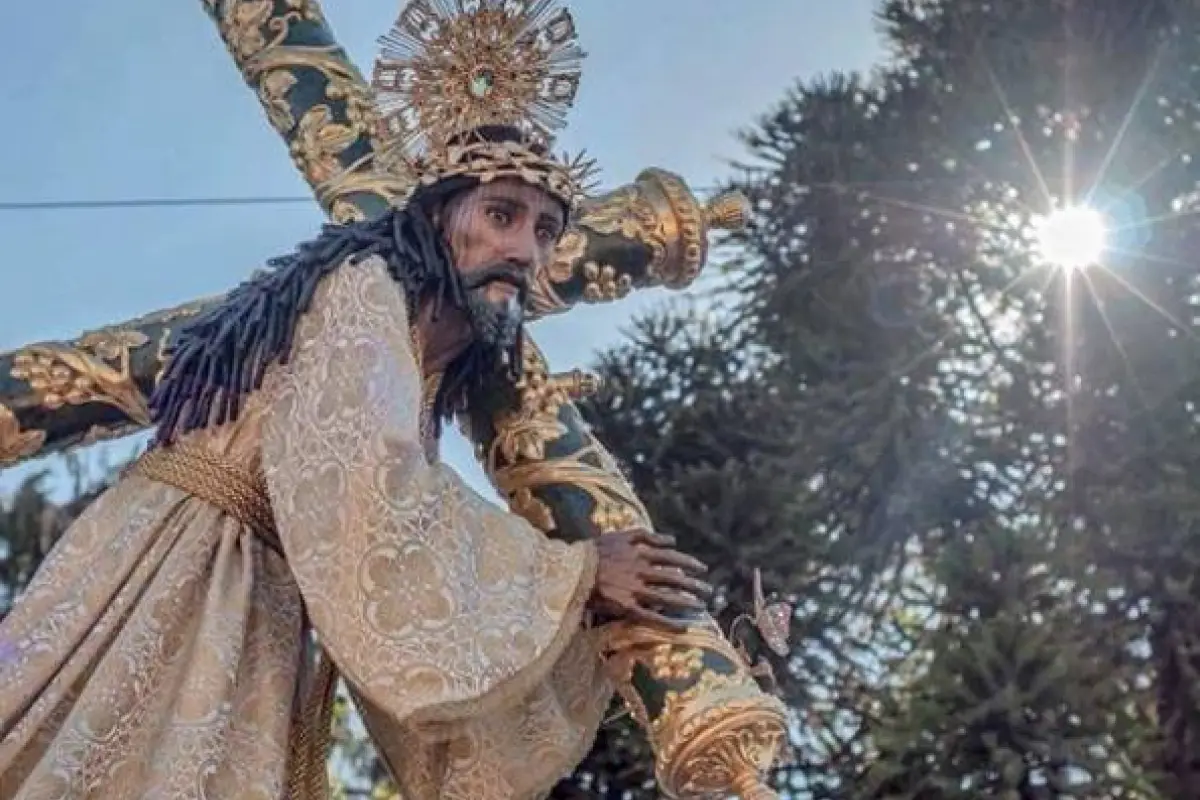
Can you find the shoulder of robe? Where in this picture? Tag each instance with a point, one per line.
(366, 284)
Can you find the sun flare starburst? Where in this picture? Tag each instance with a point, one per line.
(1071, 238)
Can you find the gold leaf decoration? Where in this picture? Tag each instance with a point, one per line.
(16, 444)
(570, 249)
(242, 25)
(318, 142)
(96, 369)
(272, 92)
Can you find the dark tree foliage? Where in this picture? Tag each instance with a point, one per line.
(809, 430)
(30, 524)
(1095, 381)
(1017, 696)
(925, 384)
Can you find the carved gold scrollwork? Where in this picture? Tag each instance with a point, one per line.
(517, 462)
(360, 106)
(273, 94)
(725, 748)
(665, 654)
(614, 505)
(242, 26)
(361, 177)
(16, 444)
(543, 298)
(328, 125)
(682, 228)
(308, 10)
(718, 732)
(96, 369)
(625, 212)
(250, 27)
(524, 432)
(570, 248)
(318, 142)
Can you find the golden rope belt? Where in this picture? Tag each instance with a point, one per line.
(242, 494)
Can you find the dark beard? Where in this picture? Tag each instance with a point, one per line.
(494, 354)
(496, 325)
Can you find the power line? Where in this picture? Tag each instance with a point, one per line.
(165, 202)
(175, 202)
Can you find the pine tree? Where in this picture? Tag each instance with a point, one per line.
(1082, 392)
(31, 523)
(807, 429)
(1021, 699)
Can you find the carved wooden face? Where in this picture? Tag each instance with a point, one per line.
(502, 232)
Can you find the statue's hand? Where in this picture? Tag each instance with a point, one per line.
(642, 577)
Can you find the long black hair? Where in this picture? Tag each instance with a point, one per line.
(221, 355)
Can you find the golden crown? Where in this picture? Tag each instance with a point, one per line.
(449, 68)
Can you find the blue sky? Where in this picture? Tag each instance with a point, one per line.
(136, 99)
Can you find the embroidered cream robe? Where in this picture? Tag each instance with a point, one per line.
(157, 653)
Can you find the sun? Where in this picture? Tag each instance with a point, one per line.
(1071, 238)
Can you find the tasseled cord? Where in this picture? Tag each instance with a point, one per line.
(223, 354)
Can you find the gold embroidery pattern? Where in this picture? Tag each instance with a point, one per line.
(96, 369)
(16, 444)
(155, 654)
(449, 615)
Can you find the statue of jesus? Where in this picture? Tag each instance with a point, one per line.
(294, 493)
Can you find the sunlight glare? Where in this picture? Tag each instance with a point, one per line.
(1072, 238)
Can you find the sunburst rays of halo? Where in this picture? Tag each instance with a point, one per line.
(447, 67)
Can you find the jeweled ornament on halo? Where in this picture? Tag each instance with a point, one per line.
(451, 67)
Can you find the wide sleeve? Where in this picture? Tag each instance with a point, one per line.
(435, 605)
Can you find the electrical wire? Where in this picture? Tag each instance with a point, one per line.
(171, 202)
(165, 202)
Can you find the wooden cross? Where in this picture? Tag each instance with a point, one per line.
(533, 442)
(55, 395)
